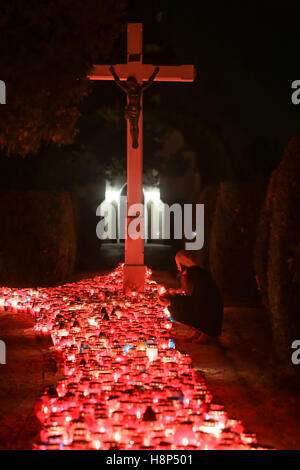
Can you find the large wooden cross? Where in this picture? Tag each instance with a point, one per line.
(134, 268)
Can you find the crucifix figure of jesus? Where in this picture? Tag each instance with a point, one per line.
(133, 108)
(134, 73)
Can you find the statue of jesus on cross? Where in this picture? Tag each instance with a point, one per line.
(130, 77)
(133, 108)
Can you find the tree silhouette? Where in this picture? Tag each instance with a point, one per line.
(48, 48)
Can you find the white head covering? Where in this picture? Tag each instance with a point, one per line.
(185, 258)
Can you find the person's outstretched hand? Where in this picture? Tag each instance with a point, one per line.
(165, 299)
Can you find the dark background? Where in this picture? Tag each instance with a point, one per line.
(246, 57)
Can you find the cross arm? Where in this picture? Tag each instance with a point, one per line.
(166, 73)
(102, 72)
(171, 73)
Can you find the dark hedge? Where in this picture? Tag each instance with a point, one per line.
(233, 237)
(262, 243)
(283, 272)
(37, 238)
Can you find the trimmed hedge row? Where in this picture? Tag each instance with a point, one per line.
(283, 271)
(37, 238)
(232, 238)
(261, 249)
(88, 245)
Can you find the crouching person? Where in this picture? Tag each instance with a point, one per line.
(201, 307)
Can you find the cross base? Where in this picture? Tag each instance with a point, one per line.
(134, 277)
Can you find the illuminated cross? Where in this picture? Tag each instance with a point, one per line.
(134, 269)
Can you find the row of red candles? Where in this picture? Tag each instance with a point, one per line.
(124, 385)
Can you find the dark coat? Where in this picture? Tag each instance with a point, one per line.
(202, 310)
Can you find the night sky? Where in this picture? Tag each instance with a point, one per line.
(245, 54)
(237, 116)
